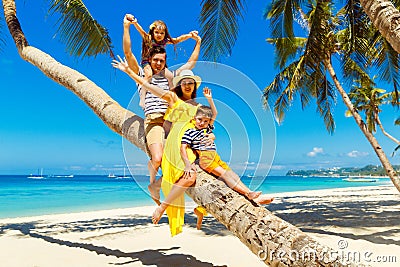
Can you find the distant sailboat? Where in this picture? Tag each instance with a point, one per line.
(38, 176)
(124, 176)
(112, 175)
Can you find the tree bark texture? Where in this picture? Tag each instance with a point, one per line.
(386, 18)
(262, 232)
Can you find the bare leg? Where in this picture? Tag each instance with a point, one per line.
(199, 218)
(234, 182)
(177, 189)
(154, 189)
(153, 165)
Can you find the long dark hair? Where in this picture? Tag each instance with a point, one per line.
(178, 91)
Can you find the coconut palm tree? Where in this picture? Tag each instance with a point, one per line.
(260, 230)
(306, 61)
(384, 14)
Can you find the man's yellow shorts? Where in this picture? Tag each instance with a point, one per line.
(209, 160)
(153, 127)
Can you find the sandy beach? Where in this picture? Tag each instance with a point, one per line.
(361, 221)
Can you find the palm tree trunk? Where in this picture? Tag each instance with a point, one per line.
(264, 233)
(378, 121)
(370, 137)
(385, 17)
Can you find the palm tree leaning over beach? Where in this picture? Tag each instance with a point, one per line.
(306, 62)
(255, 226)
(384, 14)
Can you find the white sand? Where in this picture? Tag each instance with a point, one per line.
(366, 219)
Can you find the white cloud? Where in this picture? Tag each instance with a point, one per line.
(357, 154)
(315, 152)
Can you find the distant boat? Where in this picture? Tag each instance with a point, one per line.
(112, 175)
(64, 176)
(38, 176)
(124, 176)
(365, 180)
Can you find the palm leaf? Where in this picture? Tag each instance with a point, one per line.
(81, 33)
(219, 26)
(394, 151)
(397, 121)
(2, 41)
(287, 49)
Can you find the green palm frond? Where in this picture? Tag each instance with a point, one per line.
(388, 67)
(321, 41)
(394, 151)
(281, 14)
(280, 93)
(352, 70)
(219, 25)
(287, 49)
(81, 33)
(397, 121)
(326, 99)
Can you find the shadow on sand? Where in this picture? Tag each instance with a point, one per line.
(323, 216)
(154, 257)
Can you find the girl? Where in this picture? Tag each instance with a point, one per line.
(158, 35)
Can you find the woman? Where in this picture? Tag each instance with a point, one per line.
(181, 110)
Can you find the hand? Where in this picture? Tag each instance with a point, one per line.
(207, 139)
(188, 172)
(129, 19)
(122, 64)
(207, 93)
(195, 35)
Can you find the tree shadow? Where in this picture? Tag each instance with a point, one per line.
(154, 257)
(323, 216)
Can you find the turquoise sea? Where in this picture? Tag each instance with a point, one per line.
(20, 196)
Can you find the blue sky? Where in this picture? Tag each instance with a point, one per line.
(46, 126)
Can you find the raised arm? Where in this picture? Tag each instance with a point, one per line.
(183, 37)
(168, 96)
(139, 28)
(126, 44)
(208, 95)
(195, 54)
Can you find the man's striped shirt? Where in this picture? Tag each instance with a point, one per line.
(152, 103)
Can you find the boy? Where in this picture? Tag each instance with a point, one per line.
(209, 160)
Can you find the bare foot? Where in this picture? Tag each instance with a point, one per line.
(199, 218)
(263, 200)
(253, 194)
(158, 212)
(154, 190)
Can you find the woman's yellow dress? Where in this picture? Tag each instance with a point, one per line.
(172, 165)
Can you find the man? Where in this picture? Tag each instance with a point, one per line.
(155, 107)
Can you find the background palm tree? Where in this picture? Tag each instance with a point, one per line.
(306, 61)
(255, 226)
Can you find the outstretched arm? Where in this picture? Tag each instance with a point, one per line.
(126, 44)
(168, 96)
(183, 37)
(195, 54)
(208, 95)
